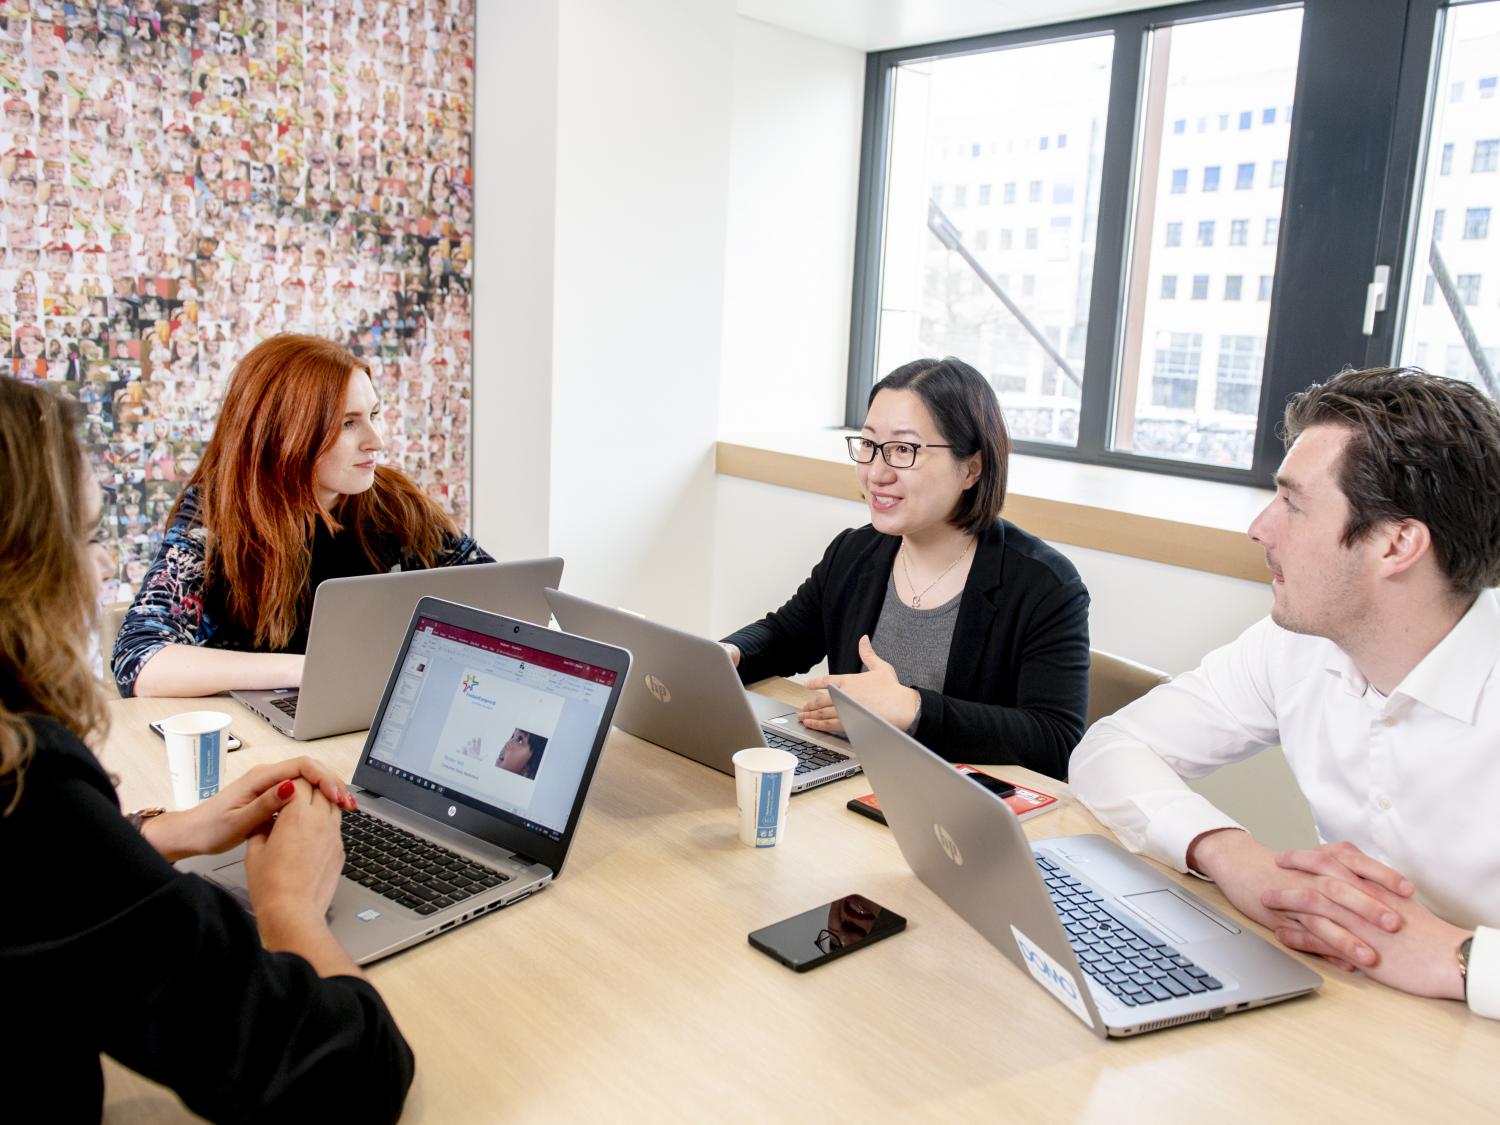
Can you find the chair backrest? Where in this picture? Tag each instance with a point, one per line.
(111, 617)
(1115, 681)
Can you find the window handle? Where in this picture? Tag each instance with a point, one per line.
(1375, 295)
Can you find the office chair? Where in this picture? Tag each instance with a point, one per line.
(111, 617)
(1115, 681)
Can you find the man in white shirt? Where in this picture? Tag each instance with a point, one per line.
(1378, 672)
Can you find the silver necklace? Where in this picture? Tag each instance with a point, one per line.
(916, 600)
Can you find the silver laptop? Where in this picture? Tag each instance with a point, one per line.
(357, 624)
(471, 780)
(686, 696)
(1123, 948)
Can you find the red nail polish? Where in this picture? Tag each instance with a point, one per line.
(285, 790)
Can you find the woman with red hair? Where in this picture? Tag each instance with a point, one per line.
(288, 494)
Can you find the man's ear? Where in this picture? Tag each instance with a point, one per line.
(1404, 544)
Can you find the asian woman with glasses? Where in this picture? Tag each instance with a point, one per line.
(950, 622)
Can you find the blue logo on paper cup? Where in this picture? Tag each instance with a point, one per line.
(768, 806)
(208, 764)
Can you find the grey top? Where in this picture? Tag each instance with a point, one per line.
(916, 641)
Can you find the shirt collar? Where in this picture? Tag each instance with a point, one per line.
(1452, 676)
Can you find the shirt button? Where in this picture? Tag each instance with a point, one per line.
(1385, 803)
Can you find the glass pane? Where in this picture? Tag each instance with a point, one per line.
(1451, 324)
(1218, 101)
(990, 221)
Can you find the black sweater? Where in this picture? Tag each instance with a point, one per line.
(105, 947)
(1016, 688)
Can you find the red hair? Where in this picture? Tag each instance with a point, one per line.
(256, 495)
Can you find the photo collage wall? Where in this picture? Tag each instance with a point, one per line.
(182, 180)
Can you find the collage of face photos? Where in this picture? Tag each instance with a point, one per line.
(179, 181)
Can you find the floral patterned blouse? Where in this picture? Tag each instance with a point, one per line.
(175, 607)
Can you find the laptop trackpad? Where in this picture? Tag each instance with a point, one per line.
(231, 877)
(1176, 917)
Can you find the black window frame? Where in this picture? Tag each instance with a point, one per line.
(1361, 96)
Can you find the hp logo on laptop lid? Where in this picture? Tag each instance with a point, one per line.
(950, 846)
(657, 688)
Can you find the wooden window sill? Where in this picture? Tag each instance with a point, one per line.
(1190, 523)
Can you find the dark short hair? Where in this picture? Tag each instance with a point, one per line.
(967, 413)
(1421, 447)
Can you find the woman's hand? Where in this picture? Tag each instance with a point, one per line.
(878, 689)
(240, 809)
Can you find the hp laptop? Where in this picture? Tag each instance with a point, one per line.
(1123, 948)
(685, 696)
(471, 779)
(357, 624)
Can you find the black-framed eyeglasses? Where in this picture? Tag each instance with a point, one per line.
(897, 454)
(827, 941)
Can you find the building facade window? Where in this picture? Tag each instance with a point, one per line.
(1244, 176)
(1239, 232)
(1168, 286)
(1477, 223)
(1233, 284)
(1211, 178)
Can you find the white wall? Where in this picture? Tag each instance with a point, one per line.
(794, 178)
(601, 184)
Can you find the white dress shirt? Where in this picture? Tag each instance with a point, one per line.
(1412, 779)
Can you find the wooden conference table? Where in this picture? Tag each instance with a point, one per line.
(627, 990)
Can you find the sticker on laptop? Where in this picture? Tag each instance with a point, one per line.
(1052, 976)
(368, 915)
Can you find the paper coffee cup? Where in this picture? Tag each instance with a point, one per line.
(195, 754)
(762, 784)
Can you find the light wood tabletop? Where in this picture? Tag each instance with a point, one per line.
(627, 990)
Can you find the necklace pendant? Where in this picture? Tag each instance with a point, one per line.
(916, 602)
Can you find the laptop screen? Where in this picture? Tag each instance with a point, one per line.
(498, 726)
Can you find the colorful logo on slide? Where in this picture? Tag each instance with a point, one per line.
(471, 682)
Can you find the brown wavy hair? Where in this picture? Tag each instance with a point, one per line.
(48, 593)
(256, 492)
(1421, 447)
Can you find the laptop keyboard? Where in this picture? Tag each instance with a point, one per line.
(810, 756)
(1135, 967)
(408, 869)
(286, 704)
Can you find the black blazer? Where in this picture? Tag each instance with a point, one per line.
(1016, 688)
(104, 947)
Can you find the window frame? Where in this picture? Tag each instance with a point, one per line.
(1388, 43)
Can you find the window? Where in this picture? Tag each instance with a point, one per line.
(984, 195)
(1477, 223)
(960, 195)
(1237, 388)
(1095, 331)
(1456, 92)
(1467, 285)
(1487, 86)
(1486, 156)
(1009, 194)
(1429, 289)
(1062, 140)
(1044, 143)
(1031, 238)
(982, 240)
(1447, 164)
(1438, 218)
(1174, 376)
(1007, 238)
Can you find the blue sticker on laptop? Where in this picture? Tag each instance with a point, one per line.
(1052, 976)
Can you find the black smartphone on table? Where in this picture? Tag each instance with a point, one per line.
(805, 941)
